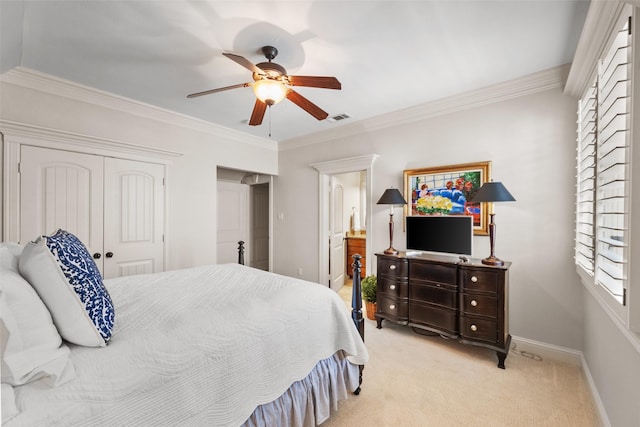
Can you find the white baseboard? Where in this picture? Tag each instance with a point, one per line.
(537, 349)
(602, 413)
(540, 350)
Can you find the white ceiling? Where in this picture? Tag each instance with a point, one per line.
(388, 55)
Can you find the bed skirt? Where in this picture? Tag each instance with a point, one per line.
(309, 402)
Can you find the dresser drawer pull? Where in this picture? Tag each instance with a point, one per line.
(474, 303)
(392, 267)
(392, 287)
(392, 307)
(474, 279)
(474, 328)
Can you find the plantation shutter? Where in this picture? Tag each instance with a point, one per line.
(586, 175)
(612, 165)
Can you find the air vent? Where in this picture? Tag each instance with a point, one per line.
(339, 117)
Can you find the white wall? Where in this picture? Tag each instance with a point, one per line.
(614, 365)
(350, 183)
(62, 106)
(531, 143)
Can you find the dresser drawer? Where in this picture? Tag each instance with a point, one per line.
(477, 304)
(479, 280)
(392, 267)
(479, 329)
(393, 308)
(393, 288)
(432, 272)
(434, 295)
(441, 319)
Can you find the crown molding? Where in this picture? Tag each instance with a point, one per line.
(345, 165)
(599, 27)
(533, 83)
(32, 79)
(23, 133)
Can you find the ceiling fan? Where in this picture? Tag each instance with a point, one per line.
(272, 84)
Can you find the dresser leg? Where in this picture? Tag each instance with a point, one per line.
(379, 322)
(501, 357)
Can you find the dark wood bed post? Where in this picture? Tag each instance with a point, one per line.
(241, 252)
(356, 306)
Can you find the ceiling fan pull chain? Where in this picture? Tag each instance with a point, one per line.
(269, 121)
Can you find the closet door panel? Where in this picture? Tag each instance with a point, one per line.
(62, 189)
(134, 217)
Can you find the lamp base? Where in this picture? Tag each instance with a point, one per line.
(391, 251)
(492, 260)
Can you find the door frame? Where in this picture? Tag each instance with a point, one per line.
(253, 178)
(14, 135)
(335, 167)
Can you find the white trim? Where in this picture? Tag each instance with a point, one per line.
(31, 79)
(10, 191)
(22, 133)
(599, 27)
(349, 164)
(632, 337)
(332, 167)
(533, 83)
(602, 412)
(531, 348)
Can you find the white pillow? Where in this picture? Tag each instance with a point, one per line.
(31, 346)
(67, 279)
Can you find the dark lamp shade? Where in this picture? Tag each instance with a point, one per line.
(493, 192)
(391, 196)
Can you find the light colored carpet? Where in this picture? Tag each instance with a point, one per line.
(416, 380)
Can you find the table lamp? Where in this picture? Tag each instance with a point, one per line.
(391, 197)
(492, 192)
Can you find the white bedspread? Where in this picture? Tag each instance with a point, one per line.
(202, 346)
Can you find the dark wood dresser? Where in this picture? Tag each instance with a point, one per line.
(356, 245)
(467, 301)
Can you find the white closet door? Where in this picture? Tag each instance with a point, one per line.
(134, 218)
(62, 189)
(233, 222)
(337, 258)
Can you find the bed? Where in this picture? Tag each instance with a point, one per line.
(222, 345)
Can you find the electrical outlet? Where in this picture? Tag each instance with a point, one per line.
(299, 271)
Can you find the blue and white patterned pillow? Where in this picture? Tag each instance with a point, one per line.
(67, 279)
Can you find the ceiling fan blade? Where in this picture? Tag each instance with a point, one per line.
(220, 89)
(244, 62)
(306, 105)
(314, 81)
(258, 113)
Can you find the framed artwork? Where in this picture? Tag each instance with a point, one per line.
(447, 190)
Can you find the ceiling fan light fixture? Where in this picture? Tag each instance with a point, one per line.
(269, 91)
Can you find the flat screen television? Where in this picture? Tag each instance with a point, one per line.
(452, 234)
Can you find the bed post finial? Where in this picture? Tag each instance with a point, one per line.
(241, 252)
(356, 296)
(356, 305)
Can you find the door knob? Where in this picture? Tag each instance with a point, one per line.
(109, 254)
(96, 255)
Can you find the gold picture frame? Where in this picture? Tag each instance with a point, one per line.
(448, 190)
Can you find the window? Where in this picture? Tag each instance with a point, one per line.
(603, 173)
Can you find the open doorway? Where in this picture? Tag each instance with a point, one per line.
(360, 164)
(259, 229)
(244, 202)
(347, 213)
